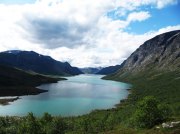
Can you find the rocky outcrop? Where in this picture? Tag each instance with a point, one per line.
(160, 52)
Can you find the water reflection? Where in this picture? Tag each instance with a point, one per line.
(75, 96)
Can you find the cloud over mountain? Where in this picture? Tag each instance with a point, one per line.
(83, 32)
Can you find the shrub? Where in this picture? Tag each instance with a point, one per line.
(30, 125)
(150, 112)
(58, 126)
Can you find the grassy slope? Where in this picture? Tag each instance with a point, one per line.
(163, 85)
(15, 82)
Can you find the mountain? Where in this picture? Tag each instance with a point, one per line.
(101, 70)
(90, 70)
(32, 61)
(109, 70)
(161, 53)
(154, 70)
(15, 82)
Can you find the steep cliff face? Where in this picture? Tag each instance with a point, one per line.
(161, 53)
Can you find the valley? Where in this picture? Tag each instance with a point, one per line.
(89, 67)
(152, 70)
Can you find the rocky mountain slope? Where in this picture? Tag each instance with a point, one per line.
(32, 61)
(154, 70)
(161, 53)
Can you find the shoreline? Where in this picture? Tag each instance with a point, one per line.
(114, 106)
(123, 101)
(19, 91)
(6, 101)
(11, 94)
(7, 93)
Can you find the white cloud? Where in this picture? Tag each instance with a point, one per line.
(163, 3)
(114, 48)
(132, 4)
(138, 16)
(76, 31)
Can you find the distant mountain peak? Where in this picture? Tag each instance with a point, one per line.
(109, 70)
(90, 70)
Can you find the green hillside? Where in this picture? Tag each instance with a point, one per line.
(15, 82)
(153, 70)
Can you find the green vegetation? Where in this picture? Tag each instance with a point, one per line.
(11, 77)
(164, 86)
(134, 115)
(15, 82)
(149, 113)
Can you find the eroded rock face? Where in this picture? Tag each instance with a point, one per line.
(160, 53)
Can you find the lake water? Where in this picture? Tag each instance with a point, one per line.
(76, 96)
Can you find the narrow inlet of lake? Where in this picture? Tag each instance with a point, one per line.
(76, 96)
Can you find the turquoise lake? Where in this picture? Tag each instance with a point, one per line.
(76, 96)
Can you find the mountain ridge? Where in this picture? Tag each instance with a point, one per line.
(153, 70)
(161, 53)
(32, 61)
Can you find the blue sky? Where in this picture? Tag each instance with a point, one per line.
(16, 1)
(168, 16)
(84, 32)
(160, 18)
